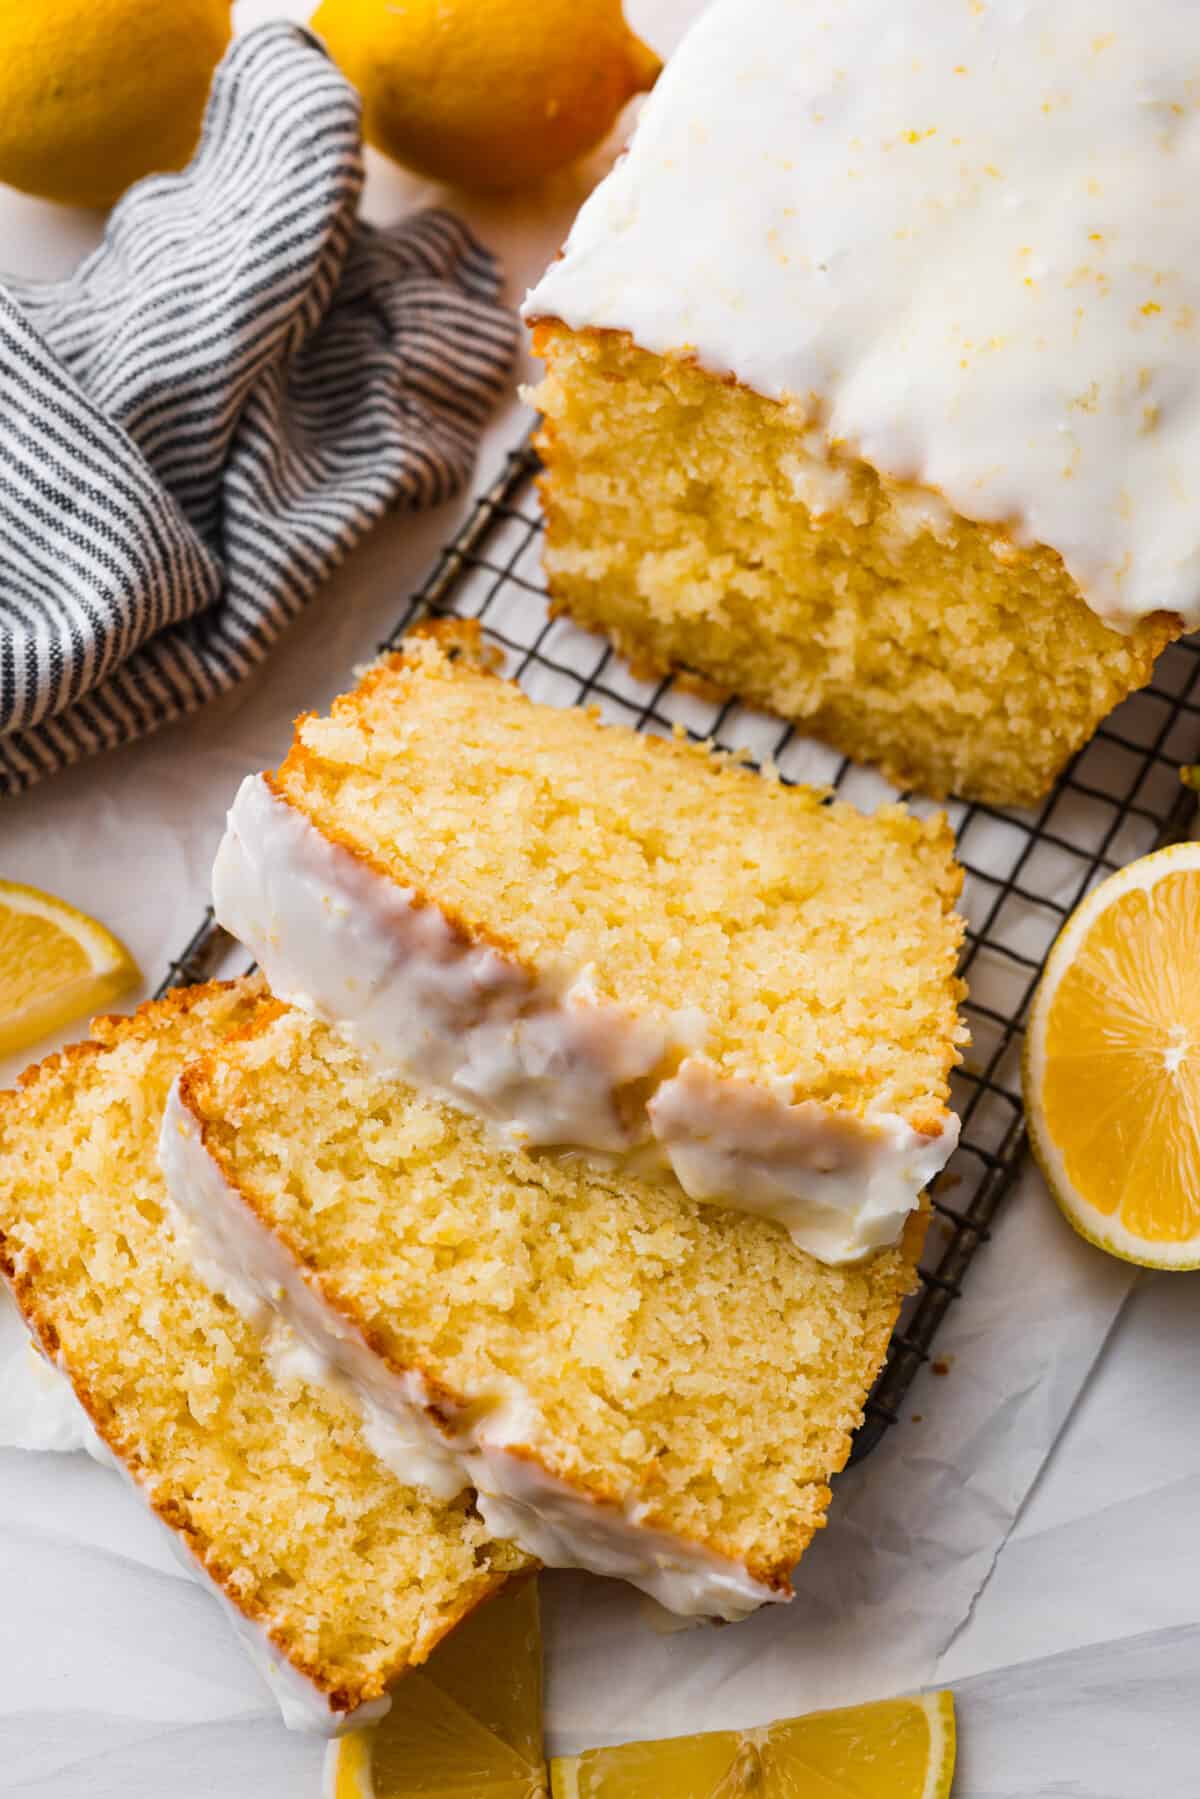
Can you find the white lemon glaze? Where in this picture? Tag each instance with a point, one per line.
(543, 1057)
(539, 1054)
(492, 1440)
(961, 234)
(841, 1185)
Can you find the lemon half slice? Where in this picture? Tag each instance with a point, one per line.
(56, 964)
(468, 1725)
(1112, 1063)
(896, 1749)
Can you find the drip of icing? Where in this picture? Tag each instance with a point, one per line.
(547, 1060)
(962, 238)
(490, 1443)
(38, 1407)
(841, 1185)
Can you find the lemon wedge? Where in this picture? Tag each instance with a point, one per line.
(1112, 1063)
(56, 964)
(894, 1749)
(468, 1725)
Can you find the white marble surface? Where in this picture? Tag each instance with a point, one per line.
(1067, 1617)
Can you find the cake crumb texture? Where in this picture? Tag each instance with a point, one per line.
(702, 526)
(805, 940)
(683, 1354)
(270, 1485)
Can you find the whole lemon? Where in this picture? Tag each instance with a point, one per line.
(95, 94)
(487, 93)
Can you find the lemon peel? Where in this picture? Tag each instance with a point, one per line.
(94, 94)
(483, 93)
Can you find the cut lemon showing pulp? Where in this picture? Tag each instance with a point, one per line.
(468, 1725)
(896, 1749)
(56, 964)
(1112, 1063)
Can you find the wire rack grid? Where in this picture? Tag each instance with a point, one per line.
(1024, 871)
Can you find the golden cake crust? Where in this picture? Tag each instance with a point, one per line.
(23, 1270)
(209, 1090)
(300, 774)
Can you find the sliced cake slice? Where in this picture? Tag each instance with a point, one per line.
(338, 1576)
(633, 1383)
(611, 941)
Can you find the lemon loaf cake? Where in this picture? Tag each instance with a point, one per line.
(613, 942)
(633, 1384)
(338, 1576)
(873, 375)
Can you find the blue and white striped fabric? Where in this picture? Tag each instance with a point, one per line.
(199, 424)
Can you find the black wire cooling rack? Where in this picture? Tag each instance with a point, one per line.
(1025, 871)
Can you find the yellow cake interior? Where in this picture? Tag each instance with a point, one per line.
(702, 526)
(355, 1576)
(812, 942)
(691, 1353)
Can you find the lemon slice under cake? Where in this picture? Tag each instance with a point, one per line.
(339, 1577)
(466, 1726)
(605, 940)
(634, 1384)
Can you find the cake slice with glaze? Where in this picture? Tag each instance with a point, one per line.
(634, 1384)
(338, 1577)
(613, 942)
(872, 384)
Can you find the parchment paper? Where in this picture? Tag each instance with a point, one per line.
(119, 1676)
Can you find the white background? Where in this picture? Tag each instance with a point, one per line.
(1066, 1616)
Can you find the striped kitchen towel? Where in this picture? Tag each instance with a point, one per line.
(199, 424)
